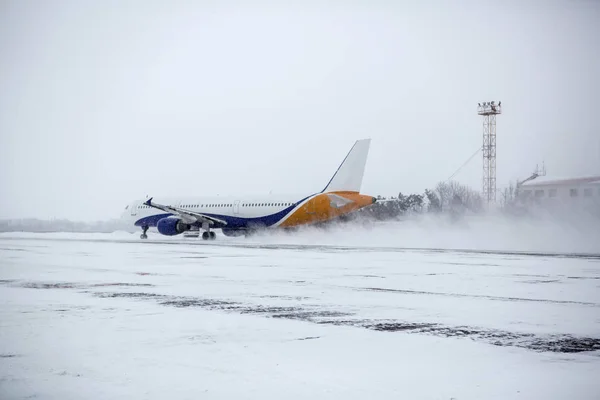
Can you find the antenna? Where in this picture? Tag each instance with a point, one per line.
(538, 171)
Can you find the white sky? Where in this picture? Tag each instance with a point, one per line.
(104, 102)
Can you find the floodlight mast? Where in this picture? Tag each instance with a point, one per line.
(489, 110)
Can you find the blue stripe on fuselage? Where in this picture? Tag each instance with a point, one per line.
(232, 221)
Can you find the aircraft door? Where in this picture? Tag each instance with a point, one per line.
(133, 210)
(236, 207)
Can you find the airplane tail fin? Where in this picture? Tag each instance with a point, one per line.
(349, 175)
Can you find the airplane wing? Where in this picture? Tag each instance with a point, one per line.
(187, 216)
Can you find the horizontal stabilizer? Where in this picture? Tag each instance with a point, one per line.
(349, 175)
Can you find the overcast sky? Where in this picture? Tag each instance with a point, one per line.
(105, 102)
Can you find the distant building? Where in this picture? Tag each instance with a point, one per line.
(546, 190)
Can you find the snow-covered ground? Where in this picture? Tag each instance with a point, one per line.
(307, 315)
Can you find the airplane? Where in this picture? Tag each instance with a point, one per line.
(243, 215)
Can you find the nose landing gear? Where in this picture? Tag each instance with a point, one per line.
(143, 235)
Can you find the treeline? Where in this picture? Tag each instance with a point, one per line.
(63, 225)
(447, 197)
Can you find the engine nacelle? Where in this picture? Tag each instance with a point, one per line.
(171, 226)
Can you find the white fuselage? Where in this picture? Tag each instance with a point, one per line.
(257, 207)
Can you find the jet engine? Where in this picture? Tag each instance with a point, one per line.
(171, 226)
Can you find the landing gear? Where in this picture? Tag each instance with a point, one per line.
(143, 235)
(208, 235)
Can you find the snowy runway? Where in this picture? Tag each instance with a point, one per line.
(99, 316)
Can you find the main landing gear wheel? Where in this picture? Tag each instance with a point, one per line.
(143, 235)
(208, 235)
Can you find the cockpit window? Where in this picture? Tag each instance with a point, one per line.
(127, 206)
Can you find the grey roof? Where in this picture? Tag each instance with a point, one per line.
(550, 180)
